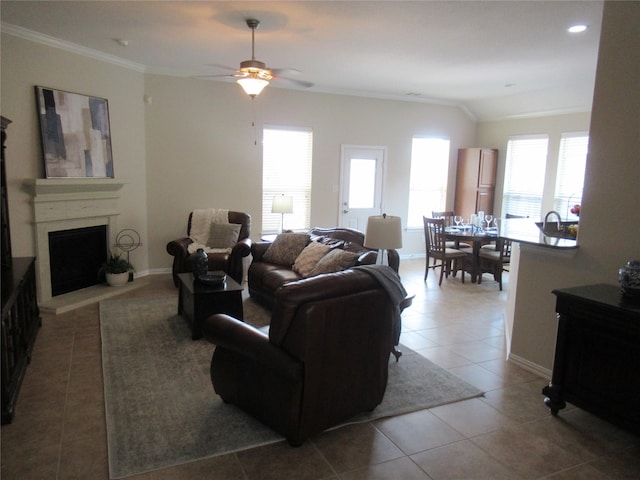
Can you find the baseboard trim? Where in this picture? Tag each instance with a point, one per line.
(530, 366)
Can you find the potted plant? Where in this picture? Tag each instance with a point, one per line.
(116, 270)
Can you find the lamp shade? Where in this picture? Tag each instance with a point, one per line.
(282, 204)
(383, 232)
(252, 85)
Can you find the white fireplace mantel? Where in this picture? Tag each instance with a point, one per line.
(65, 204)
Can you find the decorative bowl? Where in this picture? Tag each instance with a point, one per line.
(212, 279)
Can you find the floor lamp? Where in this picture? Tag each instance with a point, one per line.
(282, 204)
(384, 232)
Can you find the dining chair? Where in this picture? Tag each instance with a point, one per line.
(492, 246)
(436, 248)
(448, 217)
(494, 261)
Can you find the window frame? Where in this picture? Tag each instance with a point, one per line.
(523, 195)
(420, 191)
(288, 178)
(570, 152)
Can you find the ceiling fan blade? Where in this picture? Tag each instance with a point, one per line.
(299, 83)
(215, 76)
(223, 67)
(286, 72)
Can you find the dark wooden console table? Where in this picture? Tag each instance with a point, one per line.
(597, 354)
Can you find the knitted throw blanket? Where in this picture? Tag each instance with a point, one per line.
(201, 220)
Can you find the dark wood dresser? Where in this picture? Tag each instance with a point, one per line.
(20, 323)
(20, 313)
(597, 359)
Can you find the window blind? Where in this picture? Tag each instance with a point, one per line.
(572, 161)
(428, 178)
(286, 169)
(524, 175)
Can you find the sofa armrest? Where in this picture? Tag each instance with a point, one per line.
(394, 260)
(178, 248)
(242, 248)
(243, 339)
(258, 249)
(235, 266)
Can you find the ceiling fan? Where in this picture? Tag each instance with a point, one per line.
(253, 75)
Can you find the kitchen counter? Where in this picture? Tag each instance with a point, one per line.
(525, 231)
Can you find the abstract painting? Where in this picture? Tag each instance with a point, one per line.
(76, 136)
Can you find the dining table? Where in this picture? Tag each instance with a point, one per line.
(477, 238)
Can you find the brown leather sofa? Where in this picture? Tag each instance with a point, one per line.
(264, 278)
(231, 263)
(324, 360)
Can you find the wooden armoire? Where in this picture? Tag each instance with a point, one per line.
(475, 181)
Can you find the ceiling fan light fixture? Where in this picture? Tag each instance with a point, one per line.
(252, 84)
(256, 76)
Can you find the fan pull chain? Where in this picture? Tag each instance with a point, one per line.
(253, 122)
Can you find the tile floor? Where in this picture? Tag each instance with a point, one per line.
(59, 429)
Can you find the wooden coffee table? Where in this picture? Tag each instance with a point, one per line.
(198, 301)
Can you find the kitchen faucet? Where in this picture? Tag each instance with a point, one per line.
(546, 217)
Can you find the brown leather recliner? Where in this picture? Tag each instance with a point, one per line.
(324, 361)
(231, 263)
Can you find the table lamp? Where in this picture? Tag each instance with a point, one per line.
(384, 232)
(282, 204)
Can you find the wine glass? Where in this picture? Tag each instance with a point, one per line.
(488, 219)
(458, 220)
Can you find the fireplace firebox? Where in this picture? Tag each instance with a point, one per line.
(75, 257)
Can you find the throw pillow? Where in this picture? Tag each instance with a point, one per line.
(334, 261)
(224, 235)
(285, 248)
(309, 257)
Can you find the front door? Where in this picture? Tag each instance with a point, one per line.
(361, 185)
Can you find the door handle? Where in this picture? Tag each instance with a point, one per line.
(345, 211)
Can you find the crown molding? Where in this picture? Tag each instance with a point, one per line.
(69, 46)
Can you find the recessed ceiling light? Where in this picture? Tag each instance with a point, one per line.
(577, 28)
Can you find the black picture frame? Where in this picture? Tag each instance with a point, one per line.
(75, 134)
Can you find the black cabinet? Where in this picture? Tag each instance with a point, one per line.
(20, 313)
(597, 354)
(20, 323)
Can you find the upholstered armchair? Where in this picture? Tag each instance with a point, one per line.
(228, 259)
(324, 360)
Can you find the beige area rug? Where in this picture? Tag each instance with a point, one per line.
(161, 409)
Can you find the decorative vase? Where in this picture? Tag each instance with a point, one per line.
(201, 263)
(117, 279)
(629, 278)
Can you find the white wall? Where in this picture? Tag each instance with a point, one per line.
(26, 64)
(193, 145)
(496, 134)
(201, 151)
(610, 215)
